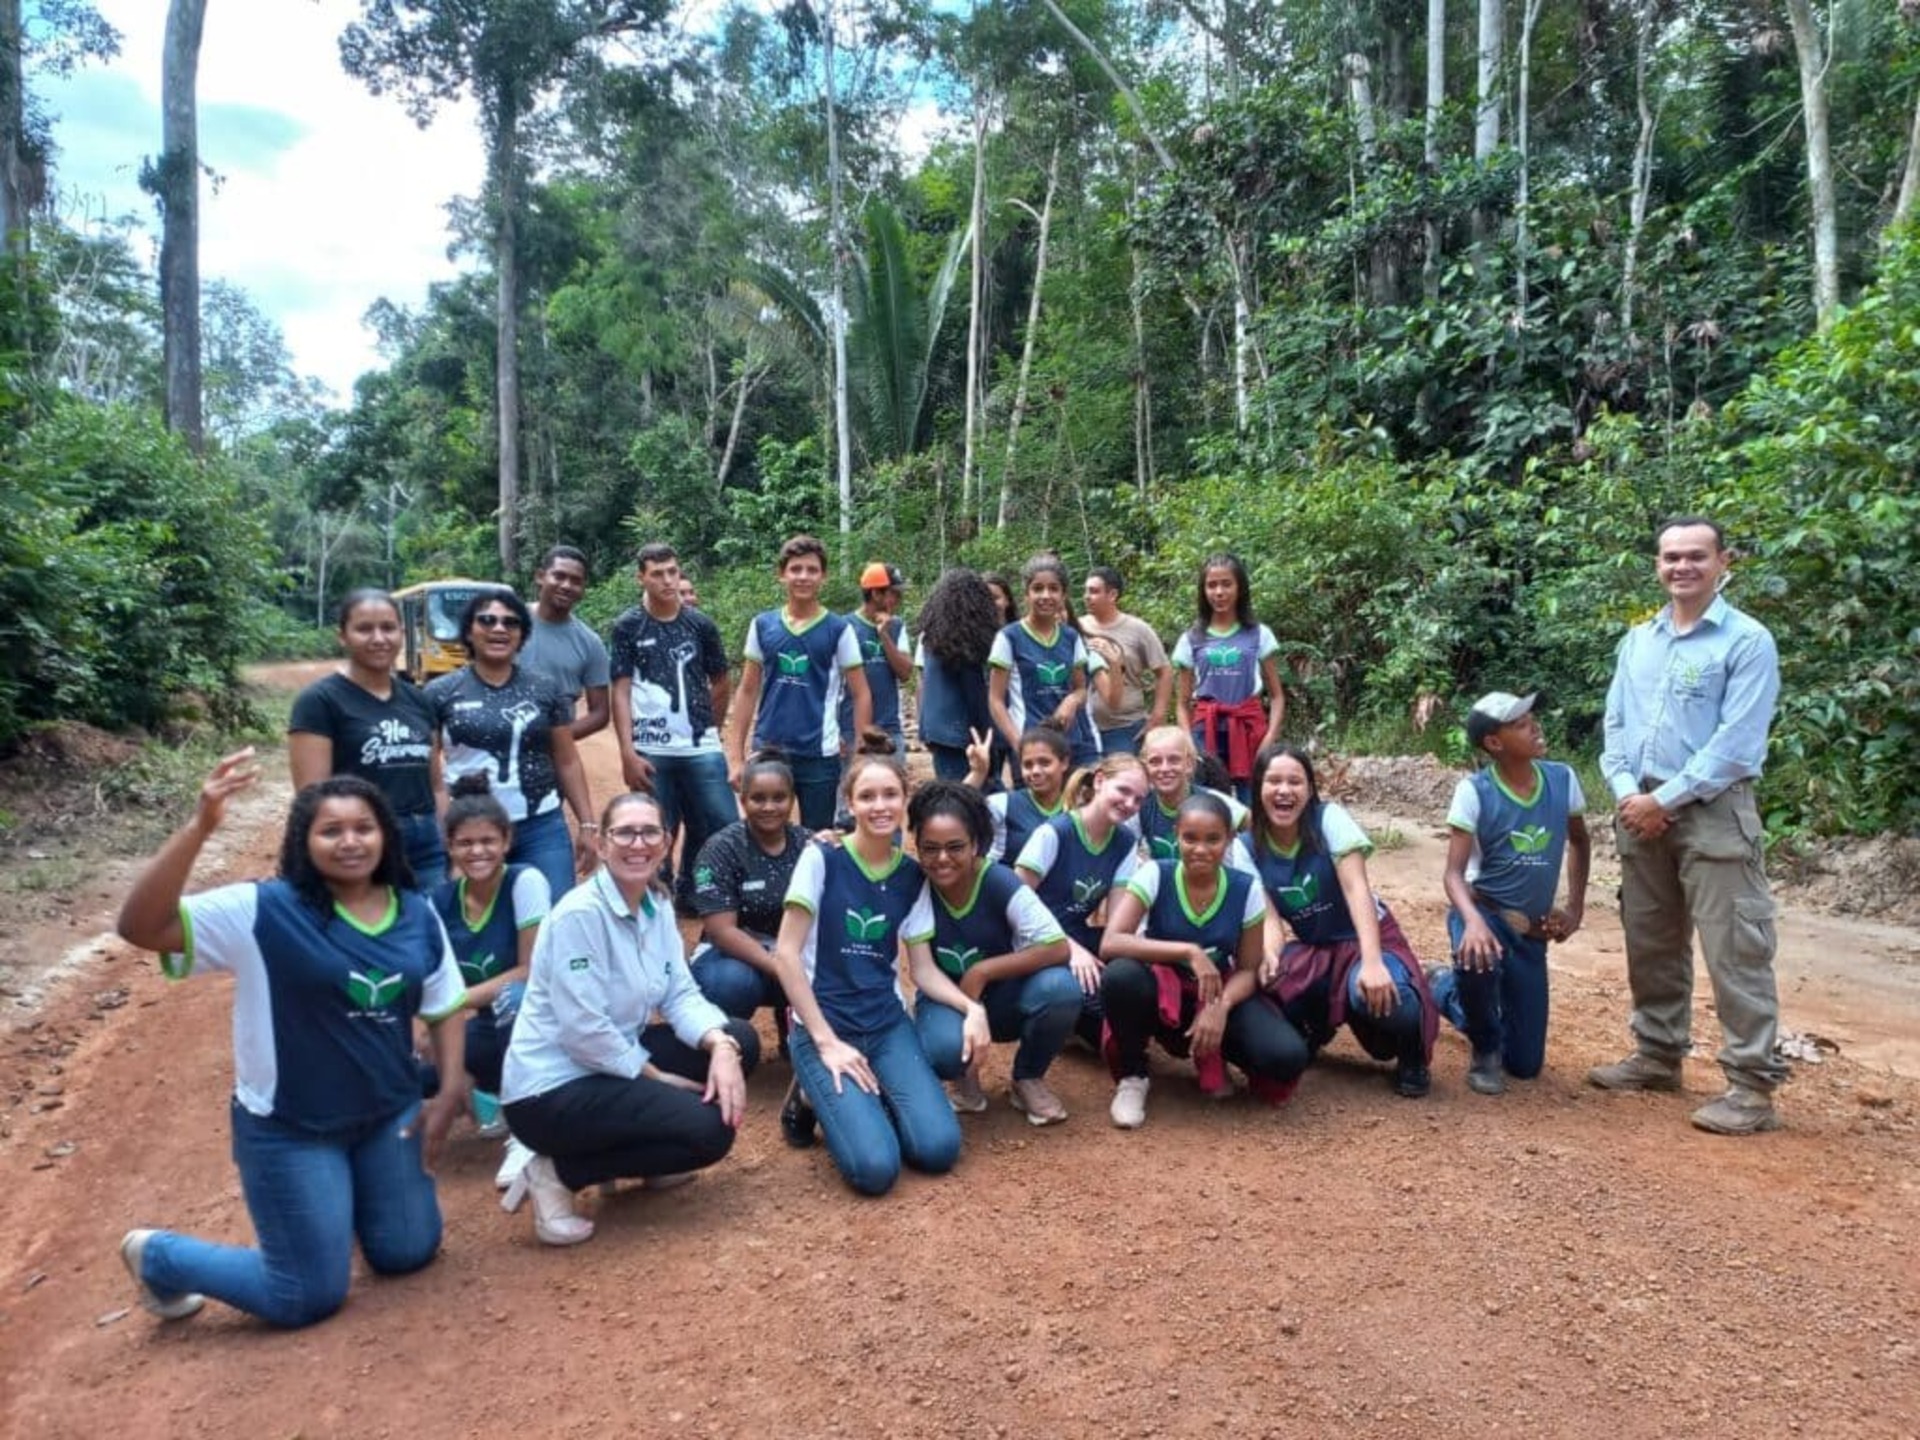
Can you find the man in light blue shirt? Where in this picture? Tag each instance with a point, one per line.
(1686, 734)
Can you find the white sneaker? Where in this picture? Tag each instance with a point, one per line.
(1129, 1107)
(510, 1168)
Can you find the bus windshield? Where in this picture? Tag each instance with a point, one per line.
(444, 604)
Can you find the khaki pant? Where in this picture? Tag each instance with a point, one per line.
(1705, 874)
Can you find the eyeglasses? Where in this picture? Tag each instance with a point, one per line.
(955, 848)
(627, 836)
(491, 621)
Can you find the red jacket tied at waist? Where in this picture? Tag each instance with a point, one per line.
(1246, 727)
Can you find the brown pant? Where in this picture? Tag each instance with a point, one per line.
(1704, 874)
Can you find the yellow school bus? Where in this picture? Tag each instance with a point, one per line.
(430, 616)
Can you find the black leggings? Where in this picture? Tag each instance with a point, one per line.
(1258, 1037)
(604, 1127)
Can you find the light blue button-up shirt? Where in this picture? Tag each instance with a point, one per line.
(1692, 710)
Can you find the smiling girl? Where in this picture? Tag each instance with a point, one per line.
(1227, 690)
(1167, 752)
(1045, 759)
(1039, 666)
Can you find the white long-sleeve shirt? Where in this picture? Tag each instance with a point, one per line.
(600, 971)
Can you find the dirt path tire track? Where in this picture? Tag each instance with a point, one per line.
(1558, 1262)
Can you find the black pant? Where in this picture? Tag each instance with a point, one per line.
(486, 1051)
(1258, 1037)
(603, 1127)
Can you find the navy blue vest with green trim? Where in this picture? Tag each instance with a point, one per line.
(856, 946)
(1218, 931)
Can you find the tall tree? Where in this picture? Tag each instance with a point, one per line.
(504, 53)
(176, 183)
(1811, 49)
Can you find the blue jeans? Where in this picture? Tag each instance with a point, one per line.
(816, 785)
(1503, 1011)
(1122, 739)
(1038, 1010)
(1395, 1035)
(870, 1135)
(544, 842)
(692, 789)
(426, 850)
(310, 1197)
(732, 984)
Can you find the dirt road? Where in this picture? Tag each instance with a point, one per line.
(1555, 1263)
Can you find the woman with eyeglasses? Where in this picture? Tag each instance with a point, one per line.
(593, 1085)
(498, 719)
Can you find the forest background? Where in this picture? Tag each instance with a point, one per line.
(1428, 311)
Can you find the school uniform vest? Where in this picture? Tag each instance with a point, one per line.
(882, 684)
(1042, 677)
(856, 971)
(962, 939)
(1226, 668)
(484, 950)
(1081, 876)
(1217, 931)
(1305, 889)
(1522, 844)
(800, 684)
(1023, 816)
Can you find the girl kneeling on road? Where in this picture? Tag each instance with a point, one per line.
(1348, 962)
(859, 1067)
(1182, 947)
(332, 961)
(592, 1086)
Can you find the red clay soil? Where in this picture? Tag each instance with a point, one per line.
(1557, 1262)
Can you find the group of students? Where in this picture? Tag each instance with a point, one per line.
(1110, 896)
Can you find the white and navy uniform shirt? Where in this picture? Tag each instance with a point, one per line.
(801, 677)
(601, 969)
(1157, 822)
(1001, 916)
(1040, 676)
(323, 1005)
(1237, 906)
(852, 950)
(490, 946)
(1075, 875)
(1517, 844)
(1016, 815)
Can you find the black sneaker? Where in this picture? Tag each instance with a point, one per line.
(1412, 1082)
(1486, 1075)
(797, 1120)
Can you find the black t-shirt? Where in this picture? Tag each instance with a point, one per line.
(504, 732)
(672, 664)
(387, 742)
(734, 873)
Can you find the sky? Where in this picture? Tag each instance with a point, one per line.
(328, 199)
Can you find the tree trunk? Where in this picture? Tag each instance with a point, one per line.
(1486, 119)
(1809, 47)
(1910, 179)
(1436, 102)
(976, 321)
(1030, 339)
(180, 219)
(506, 264)
(1642, 182)
(1359, 72)
(836, 236)
(14, 204)
(1521, 121)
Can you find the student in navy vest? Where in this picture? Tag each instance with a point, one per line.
(994, 938)
(882, 637)
(332, 963)
(1182, 947)
(859, 1067)
(1226, 669)
(1511, 824)
(1348, 962)
(492, 911)
(1172, 761)
(1045, 761)
(796, 662)
(370, 720)
(597, 1087)
(958, 625)
(1038, 668)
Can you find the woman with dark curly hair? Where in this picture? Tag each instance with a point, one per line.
(331, 963)
(958, 623)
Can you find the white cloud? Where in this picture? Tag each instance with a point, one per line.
(315, 230)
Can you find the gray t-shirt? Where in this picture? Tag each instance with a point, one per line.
(1130, 645)
(570, 656)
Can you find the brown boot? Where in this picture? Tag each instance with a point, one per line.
(1738, 1112)
(1639, 1071)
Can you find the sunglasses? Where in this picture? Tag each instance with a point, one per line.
(492, 621)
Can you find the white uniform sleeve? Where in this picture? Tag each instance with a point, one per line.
(997, 808)
(1001, 655)
(1039, 853)
(1030, 920)
(532, 898)
(568, 958)
(1268, 645)
(1144, 882)
(1576, 797)
(1183, 652)
(445, 992)
(846, 654)
(1256, 907)
(219, 930)
(1240, 856)
(1129, 836)
(809, 880)
(1080, 653)
(919, 924)
(751, 650)
(1464, 812)
(1342, 832)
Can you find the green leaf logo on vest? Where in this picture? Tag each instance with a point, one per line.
(956, 959)
(1529, 840)
(1088, 890)
(793, 662)
(1162, 847)
(1298, 897)
(865, 925)
(481, 967)
(871, 649)
(1049, 672)
(375, 989)
(1223, 656)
